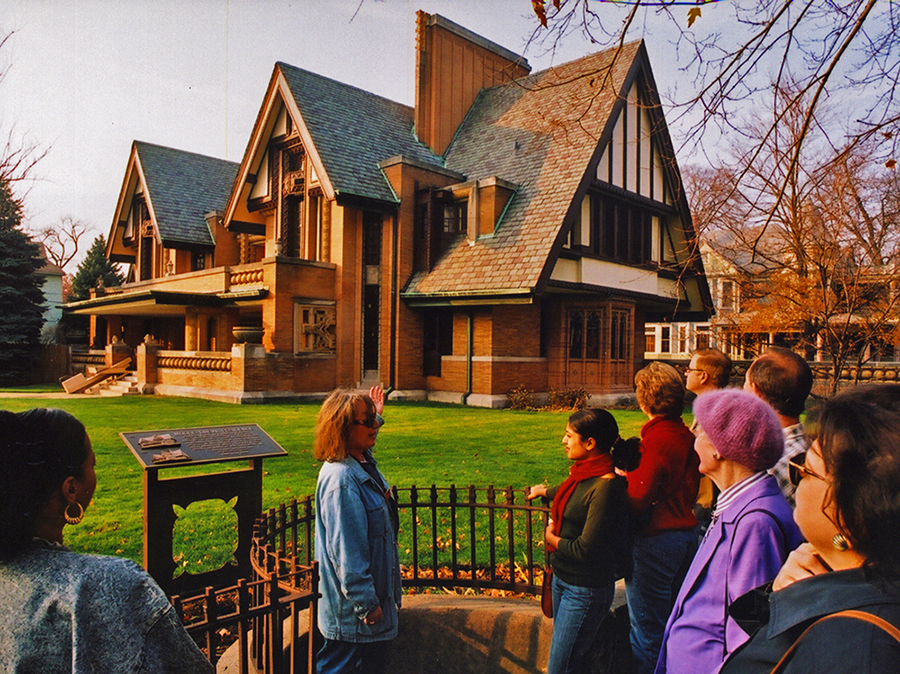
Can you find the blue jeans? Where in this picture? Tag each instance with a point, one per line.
(660, 564)
(344, 657)
(577, 612)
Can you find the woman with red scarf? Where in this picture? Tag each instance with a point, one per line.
(587, 530)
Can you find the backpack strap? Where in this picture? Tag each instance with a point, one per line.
(881, 623)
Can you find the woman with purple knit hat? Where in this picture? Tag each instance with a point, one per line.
(751, 533)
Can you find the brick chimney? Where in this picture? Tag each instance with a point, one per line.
(452, 65)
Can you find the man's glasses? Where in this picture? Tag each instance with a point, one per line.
(371, 421)
(797, 469)
(688, 370)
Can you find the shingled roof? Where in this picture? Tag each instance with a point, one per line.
(182, 188)
(352, 130)
(540, 132)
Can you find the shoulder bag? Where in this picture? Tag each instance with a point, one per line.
(857, 615)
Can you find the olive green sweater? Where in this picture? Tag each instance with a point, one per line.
(594, 531)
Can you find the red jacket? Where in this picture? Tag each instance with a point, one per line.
(667, 480)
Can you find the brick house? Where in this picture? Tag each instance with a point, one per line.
(512, 229)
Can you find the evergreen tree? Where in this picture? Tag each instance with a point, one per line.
(21, 297)
(94, 267)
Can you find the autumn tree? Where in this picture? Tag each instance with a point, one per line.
(813, 238)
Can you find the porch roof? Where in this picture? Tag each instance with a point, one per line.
(160, 302)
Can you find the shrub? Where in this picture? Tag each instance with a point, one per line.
(567, 399)
(520, 398)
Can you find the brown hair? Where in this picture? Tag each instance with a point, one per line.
(859, 434)
(660, 390)
(334, 422)
(716, 364)
(783, 379)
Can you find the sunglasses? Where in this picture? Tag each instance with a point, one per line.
(371, 421)
(797, 469)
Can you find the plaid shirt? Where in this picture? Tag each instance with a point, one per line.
(795, 442)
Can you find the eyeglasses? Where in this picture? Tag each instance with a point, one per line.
(688, 370)
(371, 421)
(797, 469)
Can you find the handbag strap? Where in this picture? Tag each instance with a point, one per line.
(881, 623)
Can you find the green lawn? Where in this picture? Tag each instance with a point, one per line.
(422, 444)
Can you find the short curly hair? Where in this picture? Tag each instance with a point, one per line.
(716, 364)
(660, 390)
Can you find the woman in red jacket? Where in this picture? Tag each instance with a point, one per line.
(662, 492)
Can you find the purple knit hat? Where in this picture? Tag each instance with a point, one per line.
(741, 427)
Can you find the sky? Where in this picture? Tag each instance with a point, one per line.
(86, 78)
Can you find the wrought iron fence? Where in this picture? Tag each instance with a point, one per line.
(255, 613)
(472, 538)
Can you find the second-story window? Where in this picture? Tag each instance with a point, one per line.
(198, 261)
(620, 231)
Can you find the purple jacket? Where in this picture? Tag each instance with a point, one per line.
(743, 548)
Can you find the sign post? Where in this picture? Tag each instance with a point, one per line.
(161, 450)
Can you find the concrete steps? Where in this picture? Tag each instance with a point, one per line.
(127, 385)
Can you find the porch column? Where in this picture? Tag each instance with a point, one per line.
(147, 364)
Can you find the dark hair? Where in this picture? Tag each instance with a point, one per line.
(39, 449)
(859, 433)
(783, 379)
(716, 364)
(659, 389)
(600, 425)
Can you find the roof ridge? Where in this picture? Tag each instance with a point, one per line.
(554, 68)
(143, 143)
(343, 84)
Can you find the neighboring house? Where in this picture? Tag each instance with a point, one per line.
(731, 271)
(673, 339)
(53, 296)
(511, 229)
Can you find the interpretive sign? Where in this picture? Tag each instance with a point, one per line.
(163, 449)
(207, 444)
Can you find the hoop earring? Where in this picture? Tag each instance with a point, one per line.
(77, 518)
(840, 542)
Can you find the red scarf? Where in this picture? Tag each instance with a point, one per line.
(580, 470)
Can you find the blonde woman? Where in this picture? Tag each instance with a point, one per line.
(356, 539)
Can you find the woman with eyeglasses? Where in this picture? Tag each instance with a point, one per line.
(749, 537)
(848, 509)
(356, 538)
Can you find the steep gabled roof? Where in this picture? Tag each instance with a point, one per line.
(737, 252)
(182, 187)
(351, 130)
(541, 132)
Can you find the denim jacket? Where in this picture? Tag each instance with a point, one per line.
(356, 547)
(65, 612)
